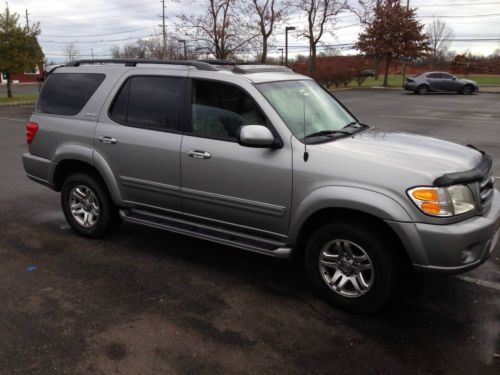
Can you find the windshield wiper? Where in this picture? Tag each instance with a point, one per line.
(355, 125)
(327, 133)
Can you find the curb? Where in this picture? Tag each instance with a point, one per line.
(16, 104)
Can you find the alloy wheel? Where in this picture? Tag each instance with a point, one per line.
(346, 268)
(84, 206)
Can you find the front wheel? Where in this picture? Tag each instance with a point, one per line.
(87, 206)
(351, 265)
(467, 90)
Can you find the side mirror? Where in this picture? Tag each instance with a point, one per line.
(255, 136)
(454, 78)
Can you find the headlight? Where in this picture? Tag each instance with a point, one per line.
(443, 202)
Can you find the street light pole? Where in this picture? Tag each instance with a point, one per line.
(287, 29)
(185, 52)
(281, 50)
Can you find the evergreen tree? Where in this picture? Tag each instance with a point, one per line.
(19, 48)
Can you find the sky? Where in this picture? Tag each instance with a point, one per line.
(94, 26)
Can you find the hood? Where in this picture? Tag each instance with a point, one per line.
(468, 81)
(400, 155)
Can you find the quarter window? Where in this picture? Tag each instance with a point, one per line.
(219, 109)
(67, 93)
(149, 102)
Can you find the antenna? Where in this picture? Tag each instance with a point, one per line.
(304, 95)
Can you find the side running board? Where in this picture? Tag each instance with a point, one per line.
(210, 233)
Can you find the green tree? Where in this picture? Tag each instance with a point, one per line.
(394, 33)
(19, 48)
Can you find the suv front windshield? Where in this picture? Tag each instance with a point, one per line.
(305, 102)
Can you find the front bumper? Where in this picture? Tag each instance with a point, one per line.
(452, 248)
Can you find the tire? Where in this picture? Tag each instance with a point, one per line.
(422, 89)
(88, 195)
(364, 241)
(467, 90)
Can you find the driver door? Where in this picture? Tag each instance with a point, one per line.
(224, 182)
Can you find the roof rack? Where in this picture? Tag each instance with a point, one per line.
(200, 65)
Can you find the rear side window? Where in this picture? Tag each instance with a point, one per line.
(149, 102)
(67, 93)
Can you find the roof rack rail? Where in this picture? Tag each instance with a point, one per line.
(218, 62)
(200, 65)
(260, 68)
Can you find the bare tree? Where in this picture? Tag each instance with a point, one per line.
(439, 39)
(222, 29)
(320, 15)
(71, 52)
(152, 48)
(364, 9)
(269, 13)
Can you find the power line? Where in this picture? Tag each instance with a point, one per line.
(454, 4)
(462, 16)
(96, 41)
(93, 35)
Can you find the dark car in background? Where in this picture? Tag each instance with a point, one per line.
(439, 82)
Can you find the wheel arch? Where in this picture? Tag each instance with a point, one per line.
(352, 215)
(346, 203)
(66, 167)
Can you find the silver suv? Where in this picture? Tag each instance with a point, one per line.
(263, 159)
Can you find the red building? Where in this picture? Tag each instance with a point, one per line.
(28, 77)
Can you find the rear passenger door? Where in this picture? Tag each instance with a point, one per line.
(435, 81)
(138, 138)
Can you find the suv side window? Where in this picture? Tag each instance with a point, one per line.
(219, 109)
(67, 93)
(149, 102)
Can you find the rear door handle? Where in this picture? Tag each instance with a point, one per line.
(108, 140)
(199, 154)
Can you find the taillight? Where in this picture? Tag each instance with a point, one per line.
(31, 129)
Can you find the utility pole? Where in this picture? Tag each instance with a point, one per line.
(406, 59)
(163, 29)
(27, 21)
(92, 52)
(281, 50)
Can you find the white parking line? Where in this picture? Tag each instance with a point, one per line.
(425, 106)
(12, 119)
(486, 284)
(439, 119)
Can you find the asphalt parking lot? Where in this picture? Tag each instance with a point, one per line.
(147, 302)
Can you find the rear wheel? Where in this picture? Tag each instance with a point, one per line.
(87, 206)
(423, 89)
(351, 265)
(467, 90)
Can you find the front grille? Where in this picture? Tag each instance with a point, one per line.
(486, 189)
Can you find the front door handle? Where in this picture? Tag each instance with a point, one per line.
(108, 140)
(199, 154)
